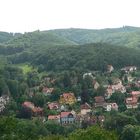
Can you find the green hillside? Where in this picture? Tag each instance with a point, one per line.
(87, 57)
(4, 36)
(65, 48)
(24, 45)
(39, 40)
(125, 36)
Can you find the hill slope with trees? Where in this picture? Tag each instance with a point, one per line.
(126, 36)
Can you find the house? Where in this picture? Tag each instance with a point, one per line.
(55, 118)
(118, 88)
(67, 118)
(131, 102)
(99, 101)
(28, 105)
(130, 78)
(79, 99)
(114, 88)
(85, 108)
(137, 83)
(53, 105)
(129, 69)
(109, 92)
(116, 81)
(36, 111)
(135, 94)
(88, 74)
(47, 91)
(114, 106)
(3, 101)
(110, 106)
(67, 98)
(110, 68)
(95, 84)
(63, 108)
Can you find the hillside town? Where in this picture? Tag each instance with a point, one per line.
(121, 93)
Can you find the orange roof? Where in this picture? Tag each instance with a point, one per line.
(68, 95)
(32, 107)
(28, 104)
(53, 117)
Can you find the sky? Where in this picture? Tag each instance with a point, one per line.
(30, 15)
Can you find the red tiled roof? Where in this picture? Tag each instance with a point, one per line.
(28, 104)
(65, 114)
(68, 95)
(53, 117)
(135, 93)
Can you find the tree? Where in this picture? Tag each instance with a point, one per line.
(119, 98)
(128, 133)
(84, 95)
(39, 99)
(93, 133)
(54, 128)
(67, 80)
(25, 113)
(13, 88)
(3, 87)
(118, 121)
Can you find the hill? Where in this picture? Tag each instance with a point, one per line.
(126, 36)
(39, 40)
(4, 36)
(32, 42)
(87, 57)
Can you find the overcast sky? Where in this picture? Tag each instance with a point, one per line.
(30, 15)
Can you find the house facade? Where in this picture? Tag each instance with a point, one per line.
(131, 102)
(67, 118)
(129, 69)
(67, 98)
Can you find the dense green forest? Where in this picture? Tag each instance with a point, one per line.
(125, 36)
(90, 57)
